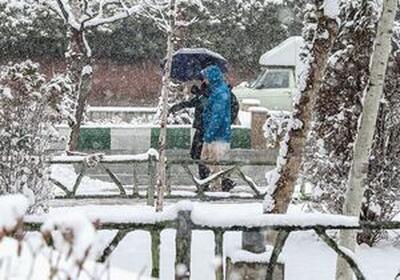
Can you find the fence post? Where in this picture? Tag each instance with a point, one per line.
(253, 241)
(152, 179)
(219, 239)
(259, 116)
(183, 245)
(135, 183)
(155, 252)
(168, 171)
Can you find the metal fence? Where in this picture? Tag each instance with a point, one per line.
(284, 225)
(135, 162)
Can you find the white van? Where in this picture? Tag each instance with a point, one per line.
(275, 85)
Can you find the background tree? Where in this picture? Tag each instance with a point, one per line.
(134, 42)
(79, 17)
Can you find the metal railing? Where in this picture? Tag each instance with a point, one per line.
(104, 162)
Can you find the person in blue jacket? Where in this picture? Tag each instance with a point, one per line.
(216, 119)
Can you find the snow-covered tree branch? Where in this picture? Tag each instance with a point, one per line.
(80, 17)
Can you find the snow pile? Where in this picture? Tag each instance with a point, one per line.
(12, 209)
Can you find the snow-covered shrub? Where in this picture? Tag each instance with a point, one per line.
(64, 248)
(276, 127)
(29, 107)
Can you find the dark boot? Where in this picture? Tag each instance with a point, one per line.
(227, 184)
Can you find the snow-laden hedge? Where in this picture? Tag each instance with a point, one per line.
(30, 106)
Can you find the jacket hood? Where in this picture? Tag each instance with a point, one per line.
(213, 74)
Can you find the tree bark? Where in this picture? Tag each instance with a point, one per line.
(162, 179)
(78, 66)
(83, 95)
(364, 140)
(302, 116)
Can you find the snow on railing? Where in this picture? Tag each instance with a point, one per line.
(186, 216)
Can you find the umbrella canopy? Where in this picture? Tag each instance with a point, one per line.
(187, 63)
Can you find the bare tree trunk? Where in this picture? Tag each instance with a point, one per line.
(80, 73)
(83, 95)
(162, 179)
(302, 116)
(364, 140)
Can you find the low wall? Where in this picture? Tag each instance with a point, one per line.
(130, 115)
(134, 139)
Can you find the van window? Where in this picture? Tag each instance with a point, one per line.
(275, 79)
(271, 79)
(258, 81)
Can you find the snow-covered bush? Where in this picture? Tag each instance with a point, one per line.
(276, 127)
(29, 107)
(64, 248)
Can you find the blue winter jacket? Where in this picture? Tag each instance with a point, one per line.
(217, 111)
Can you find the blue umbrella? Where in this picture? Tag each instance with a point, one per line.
(187, 63)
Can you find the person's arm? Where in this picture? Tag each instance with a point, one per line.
(184, 104)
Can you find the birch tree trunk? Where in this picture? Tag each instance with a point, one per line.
(364, 140)
(384, 167)
(162, 179)
(294, 142)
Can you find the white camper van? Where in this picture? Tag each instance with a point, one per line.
(276, 82)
